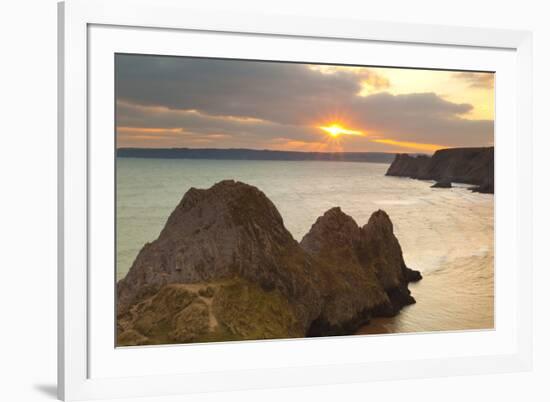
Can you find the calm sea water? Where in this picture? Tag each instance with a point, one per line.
(447, 234)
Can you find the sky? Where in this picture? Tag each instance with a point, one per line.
(165, 102)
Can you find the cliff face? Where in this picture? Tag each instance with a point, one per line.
(461, 165)
(365, 273)
(225, 267)
(381, 250)
(408, 166)
(350, 289)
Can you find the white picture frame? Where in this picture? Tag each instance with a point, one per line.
(89, 31)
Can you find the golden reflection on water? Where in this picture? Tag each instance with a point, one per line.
(458, 297)
(453, 247)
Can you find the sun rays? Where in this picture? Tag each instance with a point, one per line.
(336, 130)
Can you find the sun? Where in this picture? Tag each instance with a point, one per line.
(335, 130)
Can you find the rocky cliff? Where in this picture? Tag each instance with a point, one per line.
(349, 288)
(408, 166)
(461, 165)
(225, 267)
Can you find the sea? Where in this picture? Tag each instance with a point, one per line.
(447, 234)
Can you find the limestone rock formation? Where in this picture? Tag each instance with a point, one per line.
(364, 271)
(225, 268)
(459, 165)
(350, 289)
(381, 250)
(229, 230)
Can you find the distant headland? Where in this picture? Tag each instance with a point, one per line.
(459, 165)
(253, 154)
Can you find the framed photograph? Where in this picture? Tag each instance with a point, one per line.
(254, 201)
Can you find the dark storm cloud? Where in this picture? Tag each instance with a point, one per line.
(257, 103)
(280, 92)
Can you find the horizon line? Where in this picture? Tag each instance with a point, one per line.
(265, 150)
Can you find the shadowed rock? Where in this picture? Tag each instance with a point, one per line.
(350, 289)
(382, 252)
(225, 268)
(457, 165)
(406, 165)
(445, 183)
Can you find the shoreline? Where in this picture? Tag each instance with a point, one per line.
(455, 210)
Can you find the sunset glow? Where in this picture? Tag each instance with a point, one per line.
(165, 102)
(411, 145)
(149, 130)
(336, 130)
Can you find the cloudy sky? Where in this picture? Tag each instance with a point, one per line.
(213, 103)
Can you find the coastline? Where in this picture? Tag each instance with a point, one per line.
(423, 317)
(462, 165)
(451, 210)
(334, 280)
